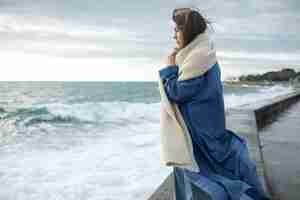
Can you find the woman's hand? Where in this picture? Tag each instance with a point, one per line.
(172, 57)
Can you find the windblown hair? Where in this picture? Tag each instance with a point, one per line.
(190, 22)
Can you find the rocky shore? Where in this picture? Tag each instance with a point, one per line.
(268, 78)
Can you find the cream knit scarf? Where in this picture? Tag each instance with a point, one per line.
(176, 144)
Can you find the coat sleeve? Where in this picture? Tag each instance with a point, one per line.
(179, 91)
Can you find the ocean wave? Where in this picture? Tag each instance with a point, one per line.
(107, 112)
(262, 93)
(52, 120)
(2, 110)
(118, 113)
(32, 115)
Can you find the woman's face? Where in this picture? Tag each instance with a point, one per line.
(179, 38)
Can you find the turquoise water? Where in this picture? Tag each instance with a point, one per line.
(31, 103)
(77, 92)
(24, 105)
(87, 140)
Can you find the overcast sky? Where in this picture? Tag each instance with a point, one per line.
(117, 40)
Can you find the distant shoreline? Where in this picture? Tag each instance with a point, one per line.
(251, 83)
(284, 76)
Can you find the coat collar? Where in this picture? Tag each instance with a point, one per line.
(197, 57)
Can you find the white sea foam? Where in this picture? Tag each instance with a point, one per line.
(263, 93)
(116, 112)
(124, 164)
(69, 164)
(105, 112)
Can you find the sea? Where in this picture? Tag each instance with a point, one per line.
(89, 140)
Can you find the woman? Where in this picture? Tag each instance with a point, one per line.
(192, 82)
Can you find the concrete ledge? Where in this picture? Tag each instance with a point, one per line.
(247, 120)
(165, 191)
(268, 113)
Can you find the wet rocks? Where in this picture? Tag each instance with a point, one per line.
(286, 74)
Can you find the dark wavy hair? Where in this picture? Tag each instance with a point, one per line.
(190, 22)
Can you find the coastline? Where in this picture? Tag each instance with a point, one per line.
(285, 76)
(252, 83)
